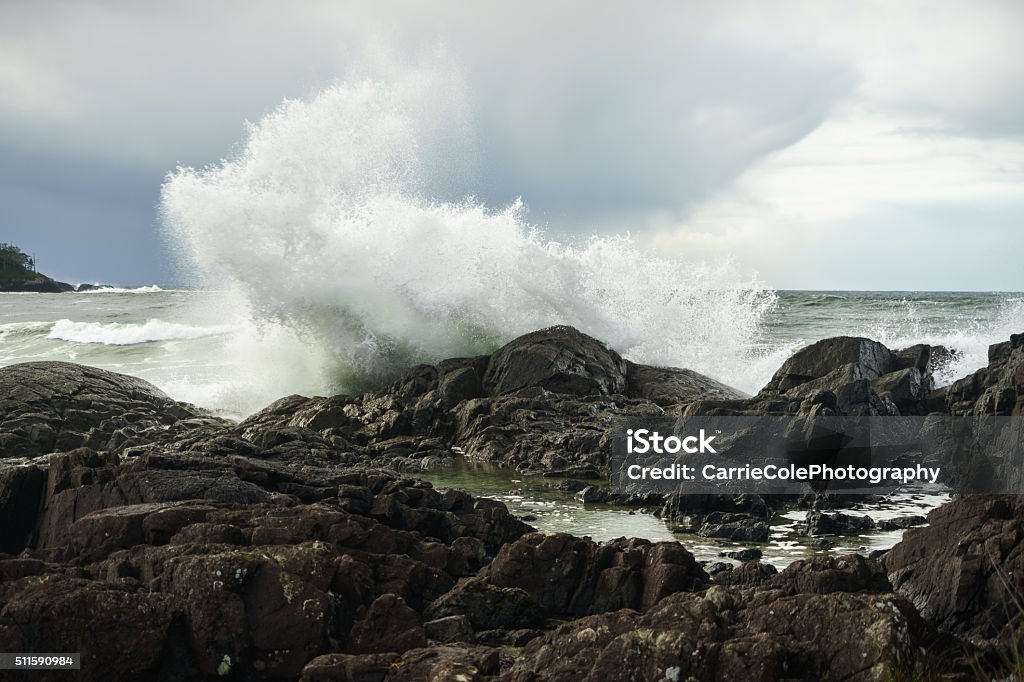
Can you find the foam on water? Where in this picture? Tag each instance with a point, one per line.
(333, 222)
(101, 289)
(966, 323)
(118, 334)
(968, 336)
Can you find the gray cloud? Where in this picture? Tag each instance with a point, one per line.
(598, 115)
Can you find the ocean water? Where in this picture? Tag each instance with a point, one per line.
(207, 347)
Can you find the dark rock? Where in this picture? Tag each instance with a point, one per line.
(724, 634)
(834, 500)
(751, 554)
(58, 406)
(99, 533)
(571, 485)
(121, 632)
(835, 523)
(449, 629)
(559, 359)
(38, 285)
(580, 471)
(995, 390)
(242, 564)
(744, 503)
(21, 496)
(901, 522)
(592, 494)
(716, 567)
(690, 511)
(349, 668)
(868, 360)
(906, 388)
(463, 662)
(511, 638)
(461, 384)
(965, 570)
(839, 376)
(666, 386)
(541, 404)
(914, 357)
(487, 606)
(260, 550)
(749, 574)
(389, 626)
(827, 574)
(574, 576)
(737, 527)
(940, 358)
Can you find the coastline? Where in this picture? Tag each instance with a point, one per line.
(122, 501)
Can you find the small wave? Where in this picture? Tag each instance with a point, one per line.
(823, 300)
(19, 329)
(151, 289)
(118, 334)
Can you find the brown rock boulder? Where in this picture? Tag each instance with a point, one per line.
(21, 495)
(59, 406)
(995, 390)
(869, 360)
(570, 575)
(559, 359)
(668, 386)
(388, 626)
(965, 570)
(121, 632)
(733, 634)
(488, 607)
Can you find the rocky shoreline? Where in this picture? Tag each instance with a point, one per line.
(165, 543)
(42, 284)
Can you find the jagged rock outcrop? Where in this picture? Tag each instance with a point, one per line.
(995, 390)
(965, 570)
(544, 397)
(567, 575)
(235, 573)
(166, 544)
(844, 375)
(559, 360)
(39, 284)
(726, 633)
(58, 406)
(670, 386)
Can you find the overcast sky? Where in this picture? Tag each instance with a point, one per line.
(822, 145)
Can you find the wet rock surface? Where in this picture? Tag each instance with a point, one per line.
(734, 633)
(965, 570)
(57, 406)
(164, 543)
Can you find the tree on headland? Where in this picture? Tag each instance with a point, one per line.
(18, 273)
(15, 265)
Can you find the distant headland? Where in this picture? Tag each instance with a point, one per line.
(18, 274)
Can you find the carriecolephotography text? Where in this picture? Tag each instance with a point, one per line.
(790, 455)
